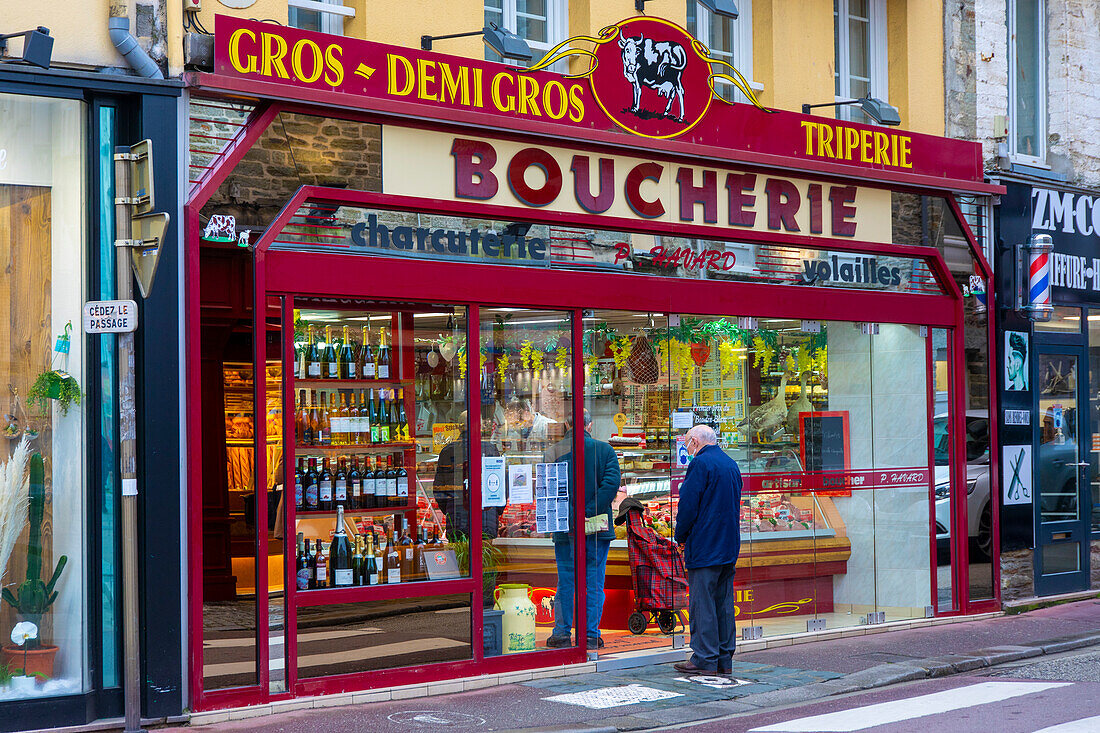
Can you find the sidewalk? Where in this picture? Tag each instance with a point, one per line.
(654, 696)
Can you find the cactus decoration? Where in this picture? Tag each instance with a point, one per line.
(34, 597)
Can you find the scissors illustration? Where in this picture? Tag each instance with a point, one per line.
(1013, 491)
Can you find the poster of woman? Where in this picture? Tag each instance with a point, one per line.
(1016, 364)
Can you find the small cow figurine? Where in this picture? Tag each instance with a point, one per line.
(659, 66)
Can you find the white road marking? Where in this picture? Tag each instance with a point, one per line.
(844, 721)
(1084, 725)
(612, 697)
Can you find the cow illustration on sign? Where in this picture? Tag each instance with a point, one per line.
(658, 65)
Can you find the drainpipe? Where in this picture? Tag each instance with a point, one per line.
(118, 27)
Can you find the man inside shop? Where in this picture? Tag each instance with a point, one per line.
(451, 484)
(601, 485)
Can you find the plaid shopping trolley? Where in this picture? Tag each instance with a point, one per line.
(657, 571)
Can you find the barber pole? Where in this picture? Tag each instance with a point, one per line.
(1038, 302)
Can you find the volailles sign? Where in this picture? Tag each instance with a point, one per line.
(645, 77)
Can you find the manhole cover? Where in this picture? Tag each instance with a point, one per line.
(714, 681)
(613, 697)
(435, 719)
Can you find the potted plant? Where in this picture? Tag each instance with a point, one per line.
(22, 635)
(33, 598)
(54, 384)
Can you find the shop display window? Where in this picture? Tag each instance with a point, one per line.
(44, 608)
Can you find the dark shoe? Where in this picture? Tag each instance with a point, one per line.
(557, 642)
(724, 670)
(595, 643)
(689, 668)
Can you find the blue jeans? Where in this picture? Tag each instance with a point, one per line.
(595, 562)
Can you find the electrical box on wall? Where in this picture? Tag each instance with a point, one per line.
(192, 6)
(1000, 127)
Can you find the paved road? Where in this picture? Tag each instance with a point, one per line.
(1055, 695)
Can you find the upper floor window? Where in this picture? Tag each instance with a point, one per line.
(1027, 94)
(323, 16)
(728, 40)
(859, 40)
(541, 23)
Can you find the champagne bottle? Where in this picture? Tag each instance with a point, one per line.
(339, 554)
(302, 572)
(313, 356)
(375, 427)
(383, 355)
(299, 486)
(340, 486)
(391, 482)
(366, 357)
(402, 481)
(370, 562)
(321, 572)
(347, 357)
(403, 432)
(355, 486)
(312, 489)
(330, 369)
(324, 487)
(357, 561)
(393, 559)
(311, 568)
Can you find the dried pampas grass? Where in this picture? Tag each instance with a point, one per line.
(14, 499)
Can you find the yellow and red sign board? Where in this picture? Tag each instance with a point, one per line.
(646, 77)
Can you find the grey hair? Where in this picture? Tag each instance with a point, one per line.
(587, 417)
(704, 434)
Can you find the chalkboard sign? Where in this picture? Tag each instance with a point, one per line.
(823, 437)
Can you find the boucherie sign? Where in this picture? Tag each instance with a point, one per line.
(552, 178)
(645, 77)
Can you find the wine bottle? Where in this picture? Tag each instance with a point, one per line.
(391, 482)
(370, 563)
(302, 572)
(403, 432)
(321, 572)
(324, 487)
(302, 432)
(299, 486)
(383, 355)
(323, 433)
(384, 434)
(355, 486)
(380, 556)
(314, 412)
(300, 368)
(329, 367)
(420, 568)
(369, 490)
(339, 554)
(311, 567)
(347, 357)
(355, 422)
(340, 486)
(402, 481)
(375, 428)
(393, 559)
(313, 356)
(406, 549)
(312, 489)
(336, 429)
(357, 561)
(366, 357)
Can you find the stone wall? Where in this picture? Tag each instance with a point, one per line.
(1017, 575)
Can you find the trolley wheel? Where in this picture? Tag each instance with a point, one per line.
(666, 621)
(637, 623)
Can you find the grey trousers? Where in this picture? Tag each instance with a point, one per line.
(710, 605)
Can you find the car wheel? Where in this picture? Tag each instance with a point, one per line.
(985, 532)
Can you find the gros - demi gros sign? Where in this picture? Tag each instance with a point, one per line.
(646, 78)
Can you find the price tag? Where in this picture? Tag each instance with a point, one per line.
(110, 316)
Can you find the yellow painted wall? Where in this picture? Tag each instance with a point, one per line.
(793, 52)
(275, 10)
(915, 48)
(79, 29)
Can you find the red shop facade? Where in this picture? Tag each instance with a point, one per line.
(390, 250)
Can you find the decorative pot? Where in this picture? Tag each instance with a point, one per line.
(23, 685)
(519, 617)
(700, 352)
(39, 661)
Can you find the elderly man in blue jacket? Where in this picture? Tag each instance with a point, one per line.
(708, 526)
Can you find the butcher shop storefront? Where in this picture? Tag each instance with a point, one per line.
(411, 275)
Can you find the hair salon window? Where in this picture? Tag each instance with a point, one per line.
(1027, 93)
(860, 64)
(728, 39)
(542, 23)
